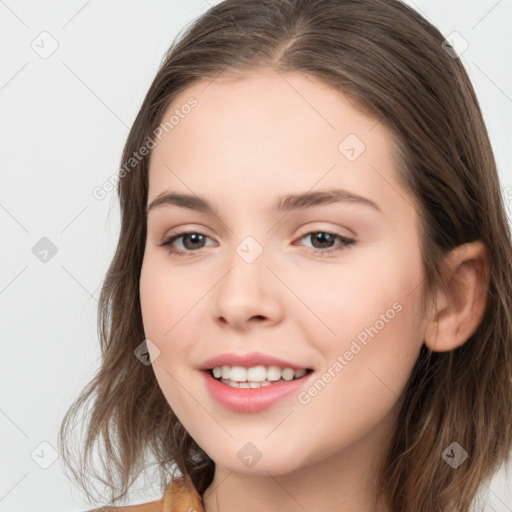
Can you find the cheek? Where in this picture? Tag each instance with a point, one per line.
(164, 297)
(152, 302)
(366, 369)
(164, 301)
(375, 329)
(170, 303)
(363, 302)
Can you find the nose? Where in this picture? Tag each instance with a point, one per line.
(248, 294)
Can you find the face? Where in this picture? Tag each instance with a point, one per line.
(331, 286)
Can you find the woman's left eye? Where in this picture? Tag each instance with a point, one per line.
(324, 238)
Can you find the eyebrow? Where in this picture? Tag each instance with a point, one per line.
(283, 204)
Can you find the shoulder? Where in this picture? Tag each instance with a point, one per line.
(152, 506)
(179, 495)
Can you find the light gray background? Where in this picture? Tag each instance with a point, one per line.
(64, 120)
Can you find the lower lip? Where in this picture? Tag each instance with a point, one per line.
(251, 399)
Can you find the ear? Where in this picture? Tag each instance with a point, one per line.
(460, 311)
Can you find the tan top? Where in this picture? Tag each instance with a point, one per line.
(179, 496)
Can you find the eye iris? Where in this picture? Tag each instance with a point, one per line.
(326, 239)
(195, 237)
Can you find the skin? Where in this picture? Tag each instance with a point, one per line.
(249, 141)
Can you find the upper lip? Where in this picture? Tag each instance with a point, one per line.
(247, 361)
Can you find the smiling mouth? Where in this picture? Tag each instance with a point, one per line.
(256, 377)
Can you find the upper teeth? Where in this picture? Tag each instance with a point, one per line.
(256, 373)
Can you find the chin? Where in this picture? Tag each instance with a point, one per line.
(266, 459)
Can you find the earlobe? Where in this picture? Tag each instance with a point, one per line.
(461, 309)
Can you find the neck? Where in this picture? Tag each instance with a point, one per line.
(343, 481)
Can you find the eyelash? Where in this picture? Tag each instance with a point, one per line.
(346, 242)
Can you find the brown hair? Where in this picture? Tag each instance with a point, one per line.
(390, 61)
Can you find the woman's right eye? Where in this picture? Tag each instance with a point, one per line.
(194, 236)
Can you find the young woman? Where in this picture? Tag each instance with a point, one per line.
(310, 303)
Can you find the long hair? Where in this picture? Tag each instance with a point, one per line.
(393, 65)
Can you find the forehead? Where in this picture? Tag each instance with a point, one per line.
(271, 108)
(270, 131)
